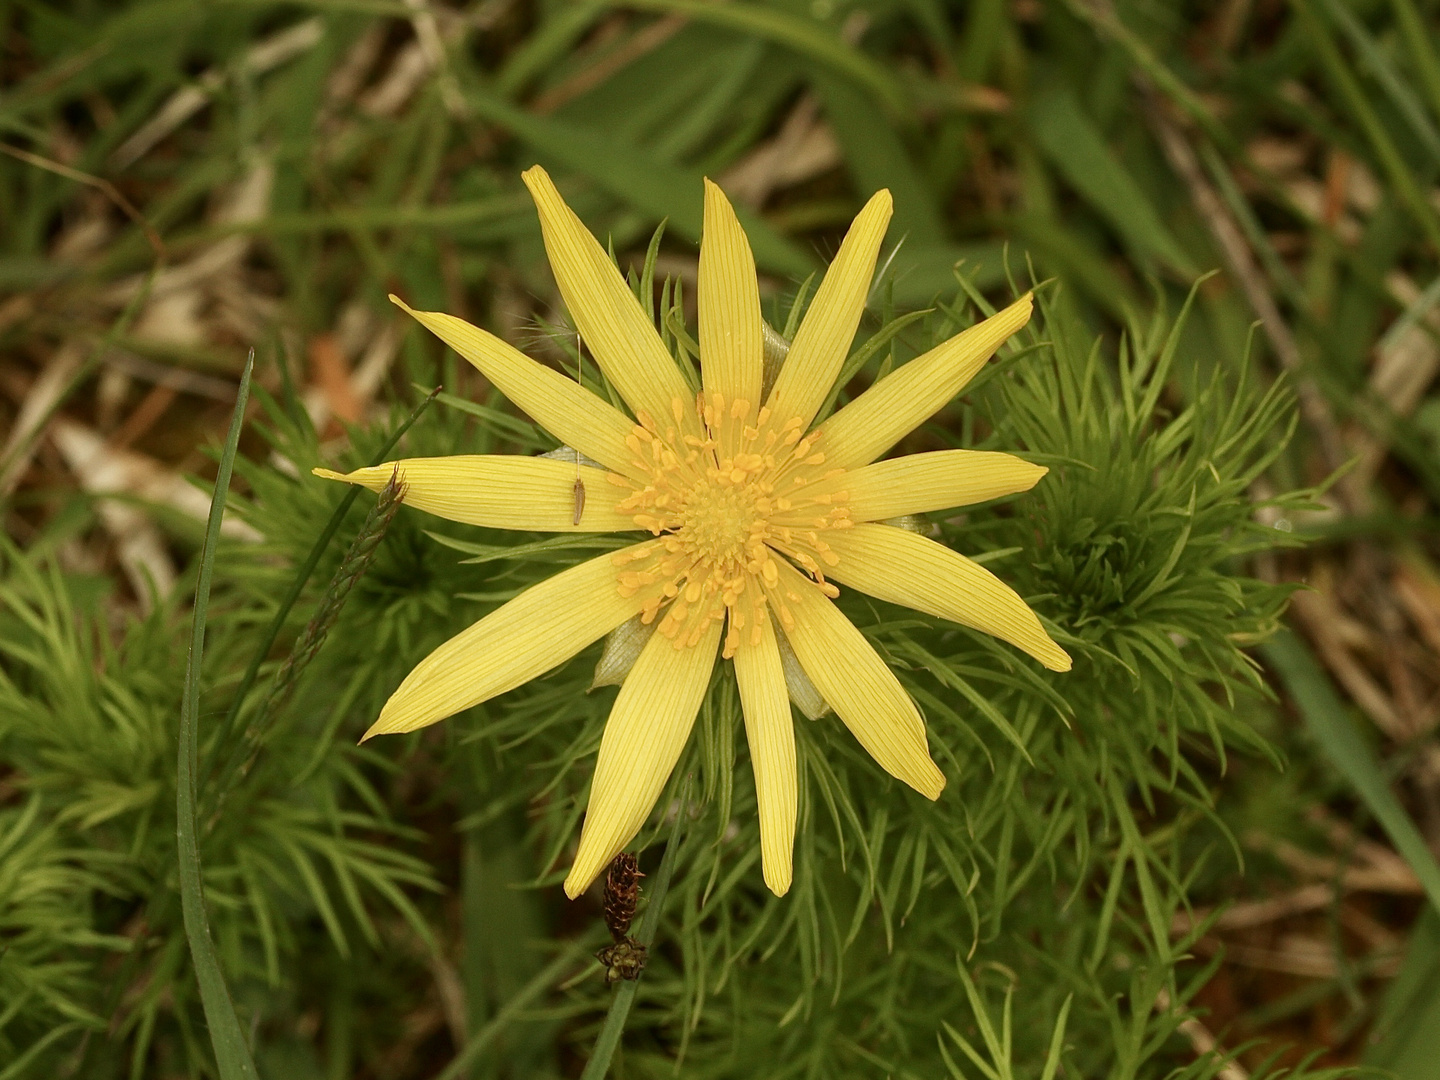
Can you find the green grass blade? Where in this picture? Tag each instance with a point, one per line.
(232, 1052)
(876, 158)
(1324, 715)
(547, 45)
(1107, 23)
(1387, 75)
(1080, 152)
(634, 177)
(804, 36)
(1406, 1036)
(1391, 161)
(1057, 1041)
(481, 1040)
(1420, 40)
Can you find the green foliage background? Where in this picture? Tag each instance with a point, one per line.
(375, 908)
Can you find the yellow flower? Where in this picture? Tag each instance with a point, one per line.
(755, 516)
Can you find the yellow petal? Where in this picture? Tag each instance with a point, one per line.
(560, 405)
(502, 491)
(823, 340)
(731, 342)
(854, 680)
(771, 734)
(898, 566)
(541, 628)
(907, 397)
(647, 729)
(611, 322)
(920, 483)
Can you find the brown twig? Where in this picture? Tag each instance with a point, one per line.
(1240, 262)
(105, 187)
(1203, 1042)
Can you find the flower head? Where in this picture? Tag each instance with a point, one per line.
(754, 516)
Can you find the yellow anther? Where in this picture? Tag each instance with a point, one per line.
(714, 516)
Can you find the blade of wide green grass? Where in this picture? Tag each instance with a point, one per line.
(481, 1040)
(634, 177)
(1078, 150)
(1383, 68)
(547, 45)
(1420, 42)
(1348, 88)
(1324, 716)
(232, 1052)
(1407, 1031)
(876, 158)
(804, 36)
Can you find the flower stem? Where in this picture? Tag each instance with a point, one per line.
(609, 1039)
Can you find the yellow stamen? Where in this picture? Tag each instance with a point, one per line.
(712, 502)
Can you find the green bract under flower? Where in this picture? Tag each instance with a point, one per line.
(755, 515)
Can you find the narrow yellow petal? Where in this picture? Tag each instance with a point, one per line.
(771, 734)
(611, 322)
(907, 397)
(541, 628)
(562, 407)
(502, 491)
(647, 729)
(823, 340)
(921, 483)
(898, 566)
(731, 341)
(855, 681)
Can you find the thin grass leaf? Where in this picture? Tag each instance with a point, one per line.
(1387, 76)
(1391, 160)
(805, 36)
(227, 1038)
(1324, 715)
(629, 174)
(1083, 157)
(1420, 41)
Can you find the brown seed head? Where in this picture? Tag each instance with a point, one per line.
(622, 890)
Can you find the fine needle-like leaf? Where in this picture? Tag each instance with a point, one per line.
(232, 1052)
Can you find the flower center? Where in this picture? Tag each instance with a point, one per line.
(725, 506)
(717, 520)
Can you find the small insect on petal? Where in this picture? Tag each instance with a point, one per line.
(579, 500)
